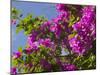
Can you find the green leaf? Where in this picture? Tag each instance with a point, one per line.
(20, 49)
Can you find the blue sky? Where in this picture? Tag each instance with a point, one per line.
(45, 9)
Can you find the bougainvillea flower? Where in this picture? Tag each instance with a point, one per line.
(61, 7)
(13, 71)
(17, 55)
(53, 28)
(68, 67)
(45, 64)
(35, 45)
